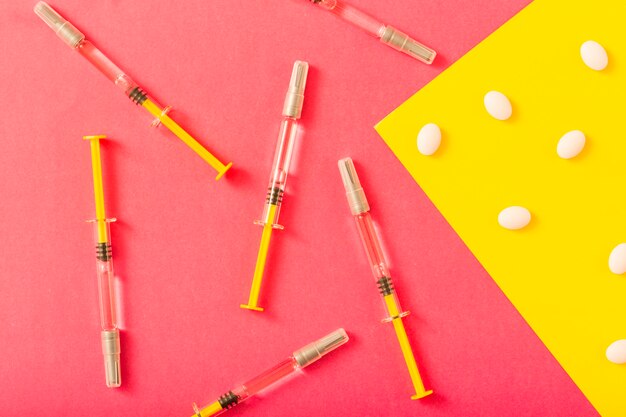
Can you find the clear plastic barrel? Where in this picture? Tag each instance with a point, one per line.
(280, 171)
(106, 67)
(267, 378)
(354, 16)
(105, 275)
(371, 244)
(376, 258)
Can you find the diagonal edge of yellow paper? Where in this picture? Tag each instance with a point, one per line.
(555, 270)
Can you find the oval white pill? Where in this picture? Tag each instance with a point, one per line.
(594, 55)
(498, 105)
(429, 139)
(571, 144)
(616, 352)
(617, 259)
(514, 217)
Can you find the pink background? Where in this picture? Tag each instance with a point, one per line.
(185, 246)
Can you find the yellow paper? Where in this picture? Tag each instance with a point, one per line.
(555, 271)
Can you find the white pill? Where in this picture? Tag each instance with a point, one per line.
(498, 105)
(571, 144)
(514, 217)
(594, 55)
(429, 139)
(616, 352)
(617, 259)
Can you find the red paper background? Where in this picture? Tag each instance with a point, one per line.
(185, 246)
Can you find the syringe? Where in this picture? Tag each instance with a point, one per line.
(298, 360)
(110, 334)
(360, 210)
(387, 34)
(292, 111)
(76, 40)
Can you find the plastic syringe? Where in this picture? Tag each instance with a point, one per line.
(360, 210)
(76, 40)
(298, 360)
(387, 34)
(110, 334)
(292, 110)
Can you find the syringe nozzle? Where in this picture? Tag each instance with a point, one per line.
(354, 192)
(111, 352)
(64, 29)
(314, 351)
(48, 14)
(295, 95)
(404, 43)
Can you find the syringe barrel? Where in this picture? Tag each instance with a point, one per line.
(104, 271)
(267, 378)
(106, 67)
(246, 390)
(372, 246)
(280, 171)
(301, 358)
(379, 266)
(354, 16)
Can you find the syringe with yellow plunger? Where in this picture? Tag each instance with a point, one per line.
(76, 40)
(110, 334)
(292, 111)
(360, 210)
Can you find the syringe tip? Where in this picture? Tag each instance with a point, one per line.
(314, 351)
(111, 352)
(298, 76)
(332, 341)
(348, 174)
(64, 29)
(47, 14)
(354, 192)
(404, 43)
(295, 95)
